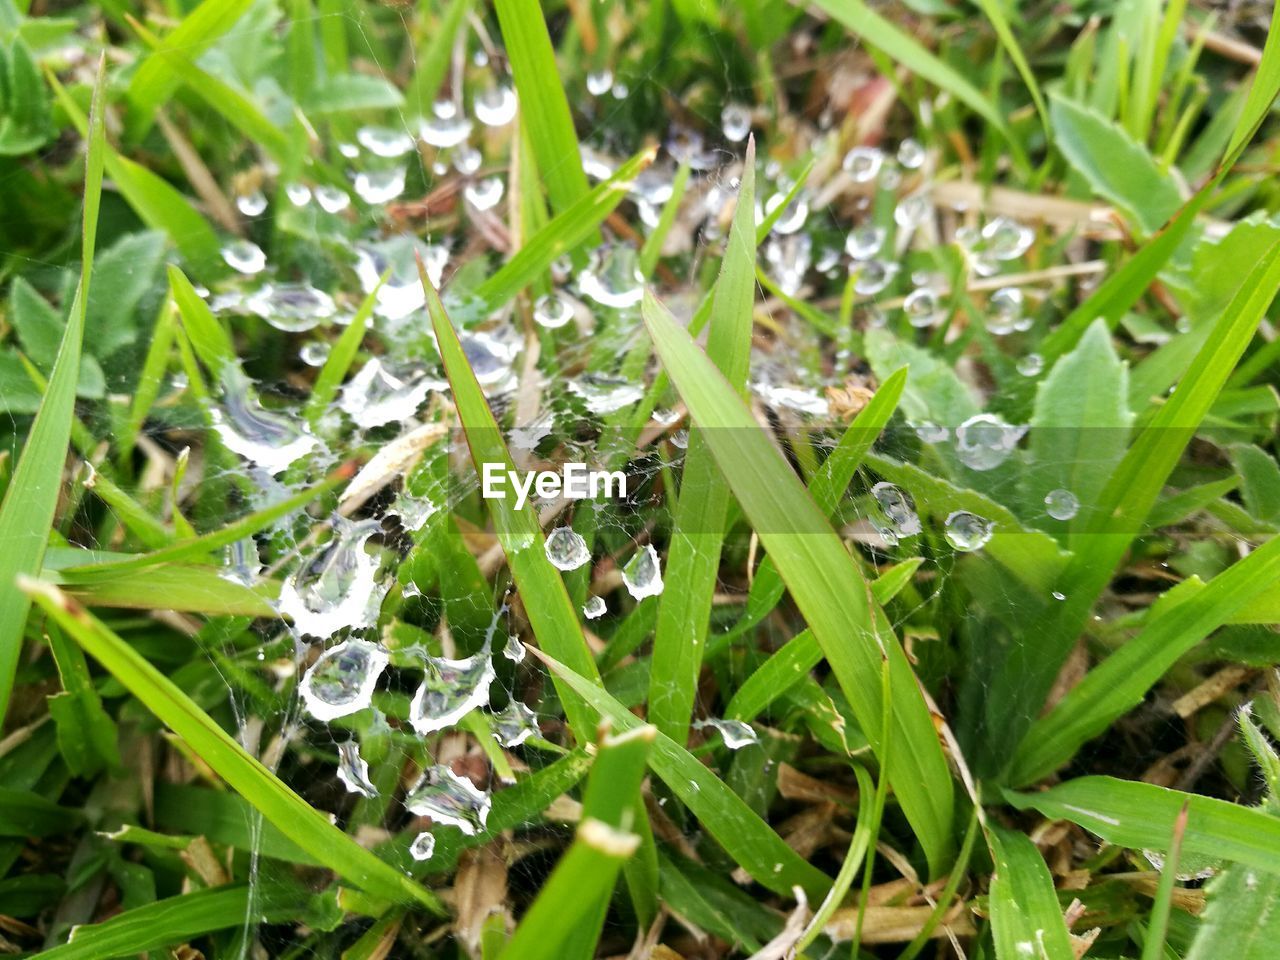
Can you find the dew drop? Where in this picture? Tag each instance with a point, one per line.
(922, 308)
(448, 798)
(566, 549)
(1007, 239)
(735, 122)
(603, 395)
(291, 307)
(244, 256)
(379, 186)
(967, 531)
(423, 846)
(911, 154)
(643, 574)
(552, 311)
(299, 194)
(1061, 504)
(873, 277)
(353, 770)
(376, 395)
(898, 509)
(864, 242)
(384, 141)
(444, 132)
(599, 82)
(984, 441)
(1032, 365)
(251, 204)
(338, 587)
(613, 277)
(1005, 306)
(341, 682)
(514, 725)
(269, 439)
(514, 650)
(484, 194)
(450, 690)
(735, 733)
(863, 163)
(594, 608)
(496, 107)
(332, 199)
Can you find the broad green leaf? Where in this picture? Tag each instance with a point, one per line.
(352, 93)
(933, 391)
(744, 836)
(40, 330)
(25, 122)
(1026, 920)
(1116, 166)
(1240, 909)
(1120, 682)
(544, 110)
(702, 509)
(1260, 480)
(822, 578)
(127, 271)
(31, 500)
(542, 591)
(1141, 816)
(295, 818)
(1079, 425)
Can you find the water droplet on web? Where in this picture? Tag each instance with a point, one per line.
(450, 690)
(496, 107)
(341, 682)
(353, 770)
(863, 163)
(552, 311)
(566, 549)
(735, 733)
(484, 194)
(379, 186)
(642, 576)
(594, 608)
(1058, 595)
(603, 395)
(792, 218)
(489, 357)
(423, 846)
(735, 122)
(1032, 365)
(899, 510)
(680, 439)
(613, 277)
(599, 82)
(967, 531)
(514, 650)
(448, 798)
(241, 563)
(912, 210)
(291, 307)
(402, 294)
(864, 242)
(384, 141)
(299, 194)
(314, 353)
(466, 160)
(1007, 239)
(348, 150)
(789, 258)
(444, 132)
(514, 725)
(376, 395)
(922, 308)
(873, 276)
(984, 441)
(1005, 306)
(251, 204)
(796, 399)
(1061, 504)
(244, 256)
(332, 199)
(338, 587)
(929, 432)
(413, 511)
(271, 440)
(911, 154)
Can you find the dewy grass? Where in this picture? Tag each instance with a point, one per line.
(928, 607)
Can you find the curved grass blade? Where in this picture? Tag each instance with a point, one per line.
(544, 109)
(341, 356)
(1120, 682)
(209, 338)
(746, 838)
(546, 602)
(1142, 816)
(822, 578)
(702, 509)
(294, 817)
(1000, 23)
(31, 499)
(861, 20)
(432, 60)
(1026, 920)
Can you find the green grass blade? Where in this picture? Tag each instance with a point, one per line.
(693, 558)
(861, 20)
(188, 588)
(546, 601)
(31, 499)
(1262, 94)
(1000, 23)
(1142, 816)
(544, 110)
(174, 920)
(209, 338)
(341, 356)
(822, 578)
(1158, 928)
(1026, 920)
(651, 252)
(1120, 682)
(744, 836)
(433, 58)
(298, 820)
(564, 921)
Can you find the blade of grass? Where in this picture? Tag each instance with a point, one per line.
(433, 58)
(298, 820)
(858, 845)
(702, 509)
(209, 338)
(861, 20)
(31, 499)
(341, 356)
(1120, 682)
(564, 920)
(546, 602)
(744, 836)
(1142, 816)
(1000, 23)
(1158, 928)
(822, 578)
(1026, 920)
(652, 249)
(544, 110)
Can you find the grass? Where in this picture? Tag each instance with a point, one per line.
(936, 345)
